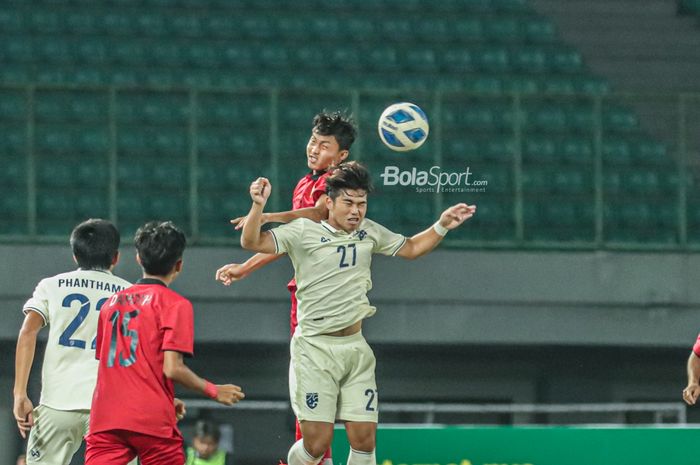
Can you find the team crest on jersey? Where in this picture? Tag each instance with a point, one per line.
(312, 399)
(35, 453)
(324, 239)
(362, 234)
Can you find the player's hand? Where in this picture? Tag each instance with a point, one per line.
(180, 410)
(456, 215)
(260, 191)
(230, 273)
(691, 393)
(228, 394)
(239, 222)
(22, 411)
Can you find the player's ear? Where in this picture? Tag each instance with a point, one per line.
(75, 259)
(342, 155)
(329, 202)
(138, 259)
(115, 259)
(178, 265)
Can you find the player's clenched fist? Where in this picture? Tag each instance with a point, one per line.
(260, 190)
(228, 394)
(691, 393)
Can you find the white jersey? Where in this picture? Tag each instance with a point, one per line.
(332, 270)
(69, 303)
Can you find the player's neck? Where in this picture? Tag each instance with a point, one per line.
(166, 279)
(331, 221)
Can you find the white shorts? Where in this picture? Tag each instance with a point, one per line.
(332, 378)
(56, 435)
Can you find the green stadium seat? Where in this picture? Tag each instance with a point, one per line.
(259, 27)
(11, 21)
(14, 140)
(92, 204)
(151, 24)
(57, 52)
(572, 181)
(566, 61)
(503, 29)
(14, 172)
(82, 23)
(399, 30)
(616, 152)
(575, 150)
(46, 22)
(530, 60)
(17, 49)
(467, 30)
(422, 60)
(557, 86)
(515, 6)
(204, 56)
(492, 59)
(457, 60)
(620, 120)
(13, 105)
(539, 30)
(545, 118)
(119, 24)
(581, 118)
(540, 150)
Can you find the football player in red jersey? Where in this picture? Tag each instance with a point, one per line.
(142, 335)
(329, 145)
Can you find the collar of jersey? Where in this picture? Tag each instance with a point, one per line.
(151, 281)
(332, 230)
(92, 269)
(314, 177)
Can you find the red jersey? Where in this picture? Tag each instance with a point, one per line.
(309, 189)
(136, 326)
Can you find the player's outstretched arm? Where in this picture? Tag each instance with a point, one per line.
(423, 242)
(175, 369)
(316, 213)
(24, 358)
(252, 238)
(692, 390)
(227, 274)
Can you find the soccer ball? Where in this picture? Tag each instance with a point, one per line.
(403, 126)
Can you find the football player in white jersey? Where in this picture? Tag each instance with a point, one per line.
(332, 367)
(69, 304)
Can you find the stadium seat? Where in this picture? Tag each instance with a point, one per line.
(538, 30)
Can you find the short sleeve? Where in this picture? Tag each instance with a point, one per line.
(319, 188)
(287, 235)
(386, 242)
(39, 302)
(177, 322)
(696, 347)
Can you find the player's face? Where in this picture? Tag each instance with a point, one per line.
(323, 151)
(205, 446)
(348, 210)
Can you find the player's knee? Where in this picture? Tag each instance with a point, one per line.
(364, 441)
(317, 446)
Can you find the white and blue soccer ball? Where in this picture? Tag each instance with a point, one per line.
(403, 127)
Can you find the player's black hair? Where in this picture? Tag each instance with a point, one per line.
(205, 428)
(336, 124)
(350, 175)
(159, 245)
(95, 243)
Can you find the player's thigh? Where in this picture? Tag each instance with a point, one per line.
(56, 435)
(358, 399)
(160, 451)
(313, 381)
(108, 448)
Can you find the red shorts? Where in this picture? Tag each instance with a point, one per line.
(119, 447)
